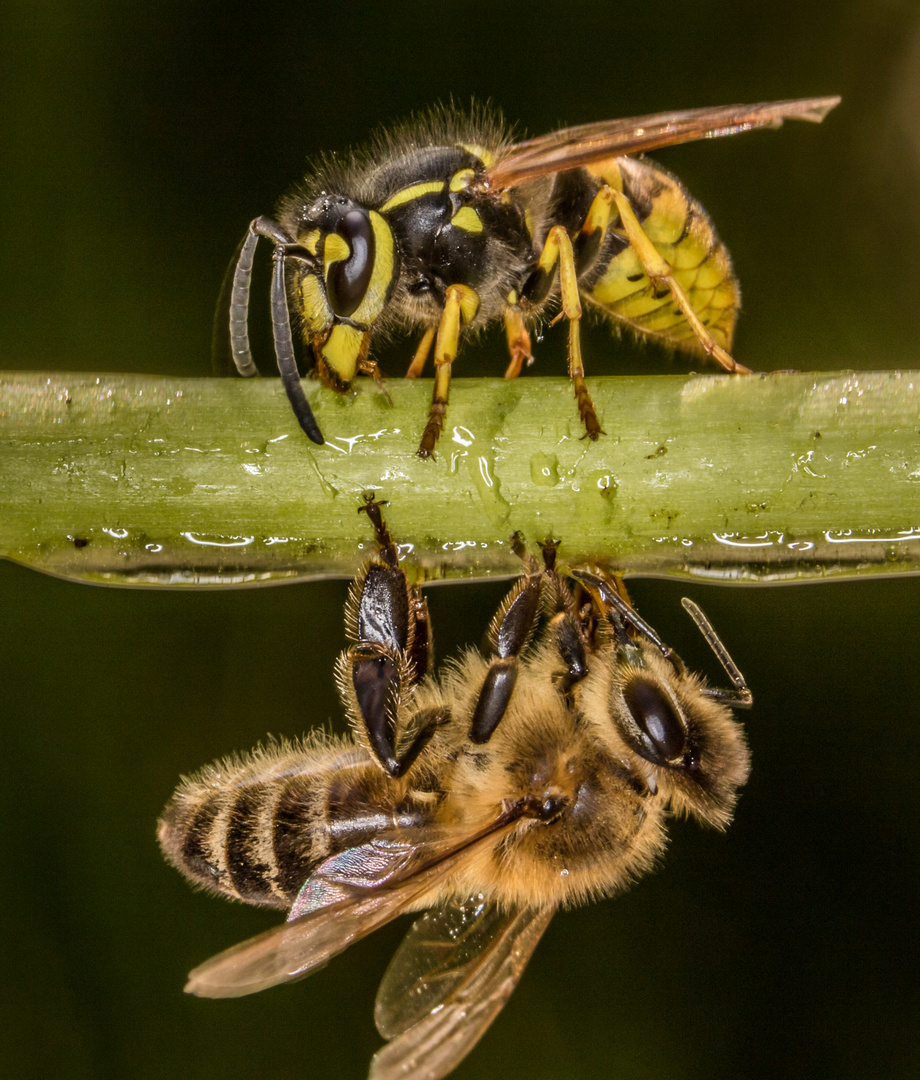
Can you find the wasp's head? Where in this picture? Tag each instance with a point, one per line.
(341, 275)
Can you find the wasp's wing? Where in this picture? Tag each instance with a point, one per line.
(573, 147)
(349, 895)
(447, 982)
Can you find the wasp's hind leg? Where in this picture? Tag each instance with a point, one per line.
(460, 306)
(558, 250)
(660, 273)
(387, 620)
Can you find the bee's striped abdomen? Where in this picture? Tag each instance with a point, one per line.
(252, 830)
(194, 837)
(212, 836)
(250, 862)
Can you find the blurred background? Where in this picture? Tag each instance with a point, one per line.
(139, 139)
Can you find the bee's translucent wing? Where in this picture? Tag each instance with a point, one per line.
(349, 895)
(435, 958)
(447, 982)
(573, 147)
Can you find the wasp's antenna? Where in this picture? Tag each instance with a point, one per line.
(284, 351)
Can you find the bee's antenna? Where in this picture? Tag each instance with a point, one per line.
(741, 696)
(626, 611)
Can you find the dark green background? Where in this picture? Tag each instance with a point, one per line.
(137, 142)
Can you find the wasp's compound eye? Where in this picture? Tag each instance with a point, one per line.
(660, 736)
(348, 276)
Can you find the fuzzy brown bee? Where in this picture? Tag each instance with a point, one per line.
(512, 784)
(446, 225)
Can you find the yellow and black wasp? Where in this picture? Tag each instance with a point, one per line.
(446, 224)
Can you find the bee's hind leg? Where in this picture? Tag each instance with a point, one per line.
(387, 619)
(660, 272)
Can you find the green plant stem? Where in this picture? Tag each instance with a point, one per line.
(142, 480)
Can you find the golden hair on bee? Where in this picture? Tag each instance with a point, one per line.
(511, 783)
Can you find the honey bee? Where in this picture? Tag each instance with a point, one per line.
(445, 225)
(537, 776)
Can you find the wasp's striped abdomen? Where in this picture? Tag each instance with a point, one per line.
(683, 234)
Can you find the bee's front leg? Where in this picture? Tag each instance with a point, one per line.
(510, 631)
(563, 628)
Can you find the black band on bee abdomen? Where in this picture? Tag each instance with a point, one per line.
(294, 818)
(196, 855)
(250, 873)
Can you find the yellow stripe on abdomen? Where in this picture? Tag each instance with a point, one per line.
(681, 231)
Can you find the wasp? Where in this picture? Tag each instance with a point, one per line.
(445, 225)
(535, 775)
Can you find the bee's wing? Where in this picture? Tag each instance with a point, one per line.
(447, 982)
(573, 147)
(347, 897)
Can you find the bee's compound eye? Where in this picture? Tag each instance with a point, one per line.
(347, 279)
(661, 736)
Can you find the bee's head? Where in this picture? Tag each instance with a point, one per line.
(685, 743)
(341, 279)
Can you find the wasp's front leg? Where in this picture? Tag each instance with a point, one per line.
(421, 354)
(387, 620)
(460, 306)
(519, 347)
